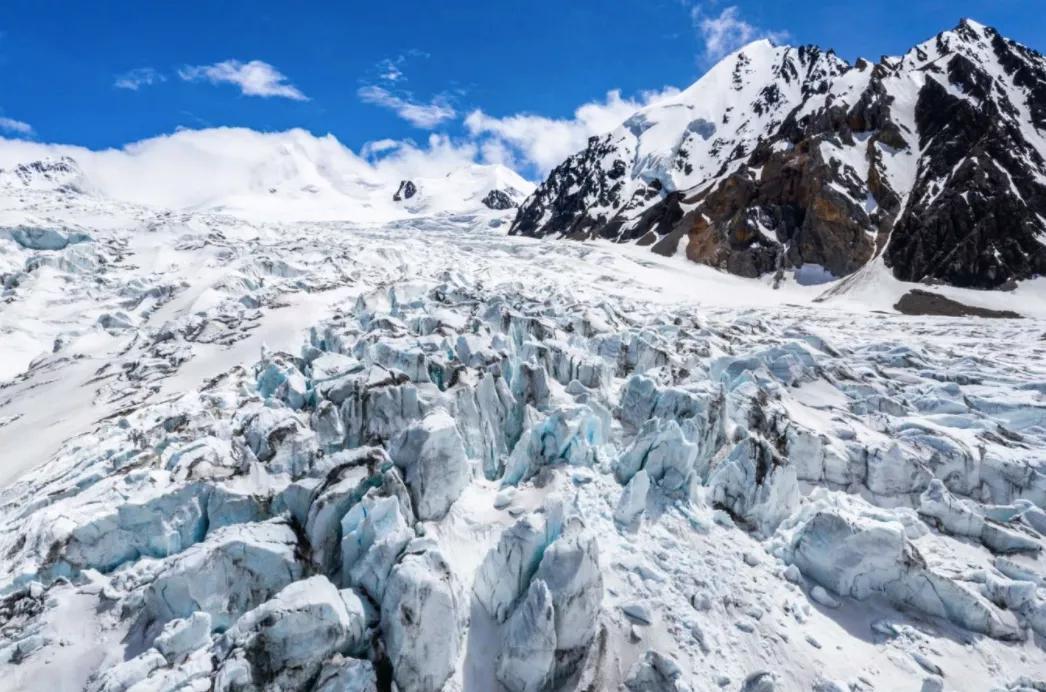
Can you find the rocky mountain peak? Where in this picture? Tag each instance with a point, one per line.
(406, 190)
(499, 200)
(782, 157)
(59, 173)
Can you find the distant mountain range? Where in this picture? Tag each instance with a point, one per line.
(291, 175)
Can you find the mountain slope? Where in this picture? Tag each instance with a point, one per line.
(780, 158)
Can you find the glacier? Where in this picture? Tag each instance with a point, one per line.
(412, 452)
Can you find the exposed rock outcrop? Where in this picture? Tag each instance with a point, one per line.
(499, 200)
(405, 191)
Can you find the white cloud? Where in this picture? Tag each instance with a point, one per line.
(137, 78)
(391, 73)
(497, 151)
(545, 142)
(389, 70)
(15, 126)
(422, 115)
(378, 147)
(439, 156)
(727, 32)
(255, 78)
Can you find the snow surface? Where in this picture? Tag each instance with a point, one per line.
(490, 462)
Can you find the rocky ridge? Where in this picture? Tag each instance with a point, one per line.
(783, 160)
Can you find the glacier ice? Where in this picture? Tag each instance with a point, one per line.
(571, 436)
(527, 659)
(543, 484)
(661, 449)
(340, 674)
(656, 672)
(286, 639)
(633, 498)
(859, 556)
(960, 518)
(571, 572)
(421, 616)
(180, 637)
(374, 533)
(755, 484)
(435, 468)
(506, 571)
(260, 556)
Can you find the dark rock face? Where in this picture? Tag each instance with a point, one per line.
(789, 216)
(499, 200)
(559, 205)
(406, 190)
(918, 302)
(978, 215)
(934, 160)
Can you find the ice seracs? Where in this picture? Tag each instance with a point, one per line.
(432, 457)
(507, 569)
(526, 661)
(954, 516)
(570, 570)
(422, 613)
(633, 498)
(261, 557)
(374, 533)
(285, 641)
(441, 499)
(178, 638)
(860, 557)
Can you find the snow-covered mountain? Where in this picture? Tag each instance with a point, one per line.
(61, 174)
(291, 175)
(784, 158)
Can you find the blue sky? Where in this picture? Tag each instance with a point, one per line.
(103, 74)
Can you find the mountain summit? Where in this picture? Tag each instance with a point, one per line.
(784, 158)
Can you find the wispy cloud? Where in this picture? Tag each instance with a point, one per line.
(385, 88)
(545, 142)
(378, 147)
(139, 77)
(423, 115)
(726, 32)
(389, 70)
(16, 127)
(254, 78)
